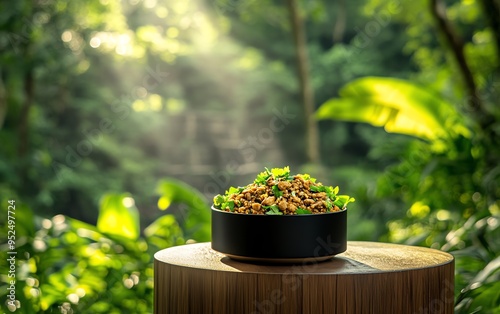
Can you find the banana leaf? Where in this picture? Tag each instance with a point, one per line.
(397, 105)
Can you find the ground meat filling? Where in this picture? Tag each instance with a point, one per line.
(287, 196)
(277, 192)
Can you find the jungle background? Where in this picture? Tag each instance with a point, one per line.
(120, 120)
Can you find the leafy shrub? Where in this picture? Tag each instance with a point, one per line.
(68, 266)
(445, 181)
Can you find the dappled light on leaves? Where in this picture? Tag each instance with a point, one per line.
(174, 105)
(443, 214)
(95, 42)
(66, 36)
(164, 202)
(71, 264)
(73, 298)
(399, 106)
(250, 60)
(153, 102)
(195, 219)
(419, 210)
(128, 202)
(130, 281)
(117, 218)
(398, 231)
(164, 232)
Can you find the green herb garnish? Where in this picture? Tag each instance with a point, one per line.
(281, 173)
(342, 200)
(301, 211)
(273, 210)
(224, 201)
(266, 190)
(276, 173)
(262, 177)
(277, 192)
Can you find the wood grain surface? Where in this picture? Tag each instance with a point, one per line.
(369, 277)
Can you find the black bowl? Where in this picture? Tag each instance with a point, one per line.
(283, 238)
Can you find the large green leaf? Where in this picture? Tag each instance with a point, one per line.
(397, 105)
(196, 216)
(492, 267)
(482, 297)
(164, 232)
(118, 216)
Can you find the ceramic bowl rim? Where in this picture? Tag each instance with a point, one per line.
(256, 215)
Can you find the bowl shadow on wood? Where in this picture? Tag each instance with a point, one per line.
(334, 265)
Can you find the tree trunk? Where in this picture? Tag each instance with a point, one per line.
(491, 9)
(25, 110)
(438, 10)
(312, 134)
(3, 102)
(339, 28)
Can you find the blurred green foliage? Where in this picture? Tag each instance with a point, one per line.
(67, 266)
(195, 221)
(399, 106)
(448, 177)
(453, 195)
(101, 100)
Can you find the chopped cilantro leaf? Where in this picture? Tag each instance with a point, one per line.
(273, 210)
(308, 177)
(218, 200)
(281, 172)
(335, 190)
(329, 204)
(262, 177)
(301, 211)
(232, 190)
(277, 192)
(230, 204)
(317, 188)
(343, 200)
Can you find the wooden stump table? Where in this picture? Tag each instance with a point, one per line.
(369, 277)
